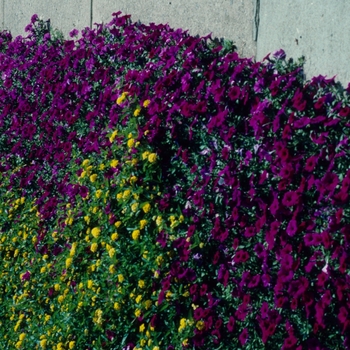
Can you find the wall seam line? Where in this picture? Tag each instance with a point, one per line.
(3, 15)
(256, 20)
(91, 15)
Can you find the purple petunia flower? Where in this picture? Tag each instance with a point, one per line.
(243, 337)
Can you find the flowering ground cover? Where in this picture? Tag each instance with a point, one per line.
(160, 192)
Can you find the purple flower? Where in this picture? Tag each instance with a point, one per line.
(290, 198)
(292, 227)
(243, 337)
(26, 276)
(280, 54)
(231, 324)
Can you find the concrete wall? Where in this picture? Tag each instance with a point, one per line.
(319, 29)
(64, 14)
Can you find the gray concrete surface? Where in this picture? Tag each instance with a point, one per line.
(2, 3)
(318, 30)
(64, 14)
(230, 19)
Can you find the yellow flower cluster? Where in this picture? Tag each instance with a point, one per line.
(137, 112)
(96, 232)
(182, 325)
(122, 98)
(113, 136)
(146, 103)
(135, 235)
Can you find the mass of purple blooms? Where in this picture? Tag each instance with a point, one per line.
(256, 158)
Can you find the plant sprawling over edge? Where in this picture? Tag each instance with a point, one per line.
(160, 192)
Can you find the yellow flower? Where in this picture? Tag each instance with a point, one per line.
(141, 283)
(95, 232)
(114, 163)
(119, 196)
(57, 287)
(117, 224)
(159, 260)
(112, 137)
(98, 317)
(114, 236)
(182, 325)
(138, 299)
(137, 312)
(146, 208)
(22, 336)
(137, 112)
(116, 306)
(93, 177)
(89, 169)
(148, 304)
(18, 345)
(60, 299)
(87, 219)
(142, 328)
(71, 344)
(134, 207)
(143, 223)
(200, 325)
(86, 162)
(122, 98)
(146, 103)
(102, 166)
(90, 283)
(94, 247)
(136, 196)
(156, 348)
(130, 143)
(145, 155)
(185, 342)
(68, 262)
(152, 157)
(43, 343)
(60, 346)
(112, 269)
(126, 194)
(133, 179)
(98, 193)
(111, 252)
(135, 235)
(159, 220)
(120, 278)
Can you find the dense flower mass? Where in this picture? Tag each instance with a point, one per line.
(160, 192)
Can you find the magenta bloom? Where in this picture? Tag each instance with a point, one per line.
(330, 181)
(243, 337)
(26, 276)
(241, 256)
(292, 227)
(231, 324)
(310, 164)
(290, 198)
(290, 342)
